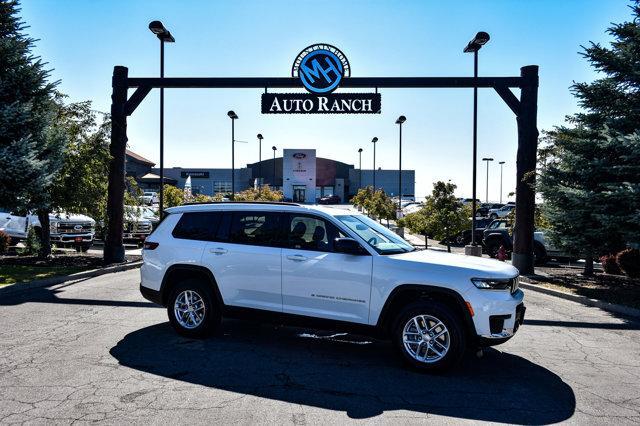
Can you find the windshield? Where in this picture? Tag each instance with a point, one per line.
(377, 236)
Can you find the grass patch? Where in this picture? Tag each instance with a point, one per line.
(11, 274)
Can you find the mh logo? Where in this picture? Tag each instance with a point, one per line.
(321, 68)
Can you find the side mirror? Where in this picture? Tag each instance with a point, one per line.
(348, 246)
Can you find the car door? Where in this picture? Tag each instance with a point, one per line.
(318, 282)
(245, 259)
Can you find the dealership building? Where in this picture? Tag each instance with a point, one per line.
(299, 173)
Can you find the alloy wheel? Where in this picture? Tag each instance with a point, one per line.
(426, 339)
(189, 309)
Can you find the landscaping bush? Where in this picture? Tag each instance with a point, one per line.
(629, 262)
(5, 241)
(32, 244)
(610, 264)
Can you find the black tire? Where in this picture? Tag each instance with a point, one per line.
(443, 313)
(212, 315)
(85, 247)
(540, 255)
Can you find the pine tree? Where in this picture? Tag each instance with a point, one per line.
(590, 173)
(30, 151)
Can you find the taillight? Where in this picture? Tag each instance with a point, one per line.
(150, 245)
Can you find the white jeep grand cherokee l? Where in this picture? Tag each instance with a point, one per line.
(326, 268)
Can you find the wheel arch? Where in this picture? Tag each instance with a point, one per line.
(408, 293)
(180, 272)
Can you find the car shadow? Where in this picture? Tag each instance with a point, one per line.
(344, 372)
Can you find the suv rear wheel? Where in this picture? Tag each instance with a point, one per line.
(192, 311)
(429, 336)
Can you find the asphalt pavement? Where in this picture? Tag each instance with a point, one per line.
(96, 351)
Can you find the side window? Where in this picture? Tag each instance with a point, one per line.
(255, 228)
(197, 226)
(311, 233)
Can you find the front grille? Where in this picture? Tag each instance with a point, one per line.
(515, 283)
(137, 227)
(74, 227)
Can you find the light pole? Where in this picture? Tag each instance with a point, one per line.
(274, 166)
(164, 36)
(233, 116)
(374, 140)
(501, 164)
(474, 45)
(486, 196)
(360, 168)
(399, 122)
(259, 158)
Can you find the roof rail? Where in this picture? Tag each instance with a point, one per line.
(277, 203)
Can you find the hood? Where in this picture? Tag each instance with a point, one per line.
(475, 266)
(69, 217)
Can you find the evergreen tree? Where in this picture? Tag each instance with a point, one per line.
(589, 176)
(30, 151)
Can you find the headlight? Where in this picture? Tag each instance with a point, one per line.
(53, 227)
(492, 284)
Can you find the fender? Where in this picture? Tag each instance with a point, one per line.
(501, 236)
(186, 270)
(386, 314)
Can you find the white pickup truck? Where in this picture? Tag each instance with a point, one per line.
(65, 229)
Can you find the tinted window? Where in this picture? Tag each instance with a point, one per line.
(255, 228)
(311, 233)
(197, 226)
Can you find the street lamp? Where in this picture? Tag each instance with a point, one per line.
(501, 164)
(233, 116)
(274, 166)
(399, 121)
(360, 168)
(486, 197)
(374, 140)
(164, 36)
(474, 45)
(259, 158)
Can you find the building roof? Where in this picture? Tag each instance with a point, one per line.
(139, 158)
(151, 177)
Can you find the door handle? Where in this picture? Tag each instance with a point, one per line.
(218, 250)
(297, 257)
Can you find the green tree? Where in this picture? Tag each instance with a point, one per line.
(589, 175)
(30, 149)
(380, 206)
(442, 216)
(362, 197)
(172, 196)
(416, 223)
(263, 194)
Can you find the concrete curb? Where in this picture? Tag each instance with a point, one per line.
(605, 306)
(24, 286)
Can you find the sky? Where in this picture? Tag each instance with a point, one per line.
(83, 40)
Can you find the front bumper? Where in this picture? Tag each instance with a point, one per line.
(71, 238)
(497, 314)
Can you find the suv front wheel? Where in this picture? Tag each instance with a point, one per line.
(192, 311)
(429, 336)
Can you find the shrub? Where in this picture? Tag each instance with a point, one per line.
(32, 244)
(5, 241)
(629, 262)
(610, 264)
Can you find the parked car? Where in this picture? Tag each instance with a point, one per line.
(463, 238)
(150, 198)
(65, 229)
(411, 207)
(483, 210)
(498, 233)
(331, 267)
(501, 212)
(330, 199)
(137, 227)
(465, 201)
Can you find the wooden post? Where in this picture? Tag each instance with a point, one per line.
(113, 247)
(523, 257)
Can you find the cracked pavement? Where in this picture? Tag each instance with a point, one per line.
(96, 351)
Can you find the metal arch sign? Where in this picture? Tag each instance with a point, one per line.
(321, 68)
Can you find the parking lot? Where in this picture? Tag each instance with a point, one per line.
(97, 351)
